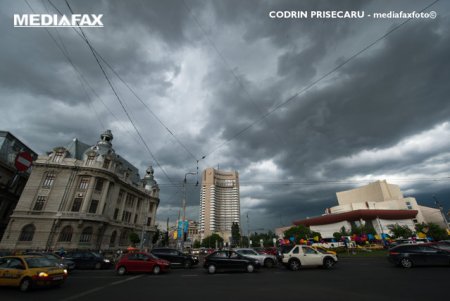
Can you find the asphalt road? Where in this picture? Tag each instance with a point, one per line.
(352, 279)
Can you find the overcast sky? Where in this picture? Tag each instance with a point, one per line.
(301, 108)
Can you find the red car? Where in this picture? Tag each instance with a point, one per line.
(141, 262)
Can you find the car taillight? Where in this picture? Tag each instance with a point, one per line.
(393, 253)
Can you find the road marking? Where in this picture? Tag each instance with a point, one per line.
(189, 275)
(100, 288)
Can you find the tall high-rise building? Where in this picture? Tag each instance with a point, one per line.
(219, 203)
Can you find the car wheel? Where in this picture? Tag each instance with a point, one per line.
(269, 263)
(294, 265)
(406, 263)
(25, 285)
(156, 270)
(98, 266)
(211, 269)
(328, 263)
(121, 270)
(187, 264)
(250, 268)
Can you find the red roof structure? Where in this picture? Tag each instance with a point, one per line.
(355, 215)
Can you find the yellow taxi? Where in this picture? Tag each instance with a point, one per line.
(323, 250)
(27, 272)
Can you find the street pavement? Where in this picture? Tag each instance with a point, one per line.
(350, 279)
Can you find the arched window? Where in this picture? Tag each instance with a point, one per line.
(66, 234)
(124, 238)
(112, 240)
(27, 233)
(86, 235)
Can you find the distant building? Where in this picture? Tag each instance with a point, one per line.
(83, 197)
(12, 181)
(379, 203)
(219, 203)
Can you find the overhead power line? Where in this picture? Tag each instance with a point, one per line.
(315, 82)
(118, 98)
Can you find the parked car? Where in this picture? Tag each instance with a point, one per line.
(265, 260)
(409, 255)
(141, 262)
(226, 260)
(64, 263)
(301, 255)
(407, 241)
(27, 272)
(175, 257)
(88, 260)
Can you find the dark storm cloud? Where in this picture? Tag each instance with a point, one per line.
(219, 66)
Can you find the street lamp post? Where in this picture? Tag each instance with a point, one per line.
(181, 237)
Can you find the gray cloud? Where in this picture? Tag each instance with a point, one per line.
(209, 70)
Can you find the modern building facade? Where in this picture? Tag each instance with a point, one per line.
(219, 203)
(83, 197)
(379, 203)
(12, 180)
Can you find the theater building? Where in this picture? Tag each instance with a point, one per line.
(379, 203)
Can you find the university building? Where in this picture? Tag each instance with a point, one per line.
(83, 197)
(219, 203)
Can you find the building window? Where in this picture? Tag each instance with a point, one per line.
(116, 213)
(149, 221)
(151, 208)
(76, 204)
(93, 206)
(99, 185)
(106, 163)
(84, 183)
(90, 160)
(120, 197)
(49, 179)
(126, 216)
(39, 204)
(58, 156)
(130, 200)
(66, 234)
(27, 233)
(135, 218)
(124, 238)
(86, 235)
(112, 240)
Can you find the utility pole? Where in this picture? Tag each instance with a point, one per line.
(182, 237)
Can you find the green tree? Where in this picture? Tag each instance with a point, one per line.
(156, 236)
(369, 228)
(197, 244)
(298, 232)
(400, 231)
(235, 234)
(210, 241)
(433, 231)
(134, 238)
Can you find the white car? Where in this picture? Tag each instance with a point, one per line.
(265, 260)
(301, 255)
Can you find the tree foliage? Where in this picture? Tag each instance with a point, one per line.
(210, 241)
(400, 231)
(235, 234)
(298, 232)
(433, 231)
(267, 239)
(134, 238)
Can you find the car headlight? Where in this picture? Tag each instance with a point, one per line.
(106, 260)
(65, 271)
(43, 274)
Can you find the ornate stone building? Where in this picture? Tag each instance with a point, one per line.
(83, 197)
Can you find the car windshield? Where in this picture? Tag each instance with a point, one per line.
(247, 252)
(39, 262)
(320, 250)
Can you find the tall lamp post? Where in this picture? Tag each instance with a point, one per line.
(182, 237)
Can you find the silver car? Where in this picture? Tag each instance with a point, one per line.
(265, 260)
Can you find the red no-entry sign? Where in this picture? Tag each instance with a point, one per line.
(23, 161)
